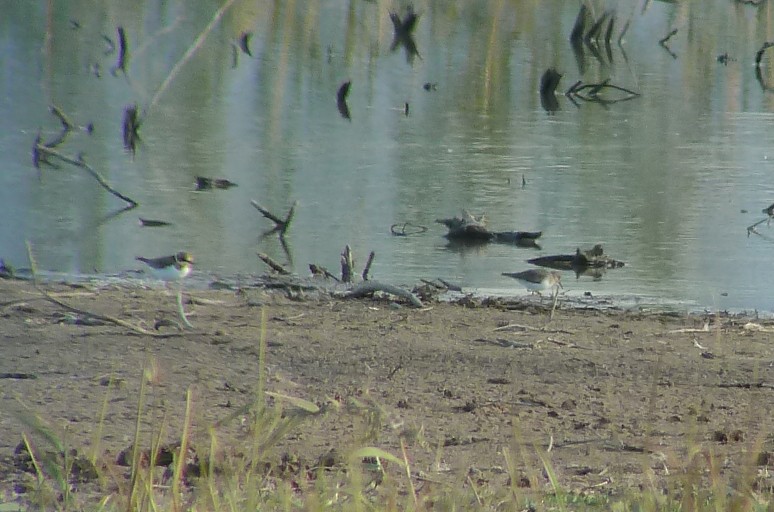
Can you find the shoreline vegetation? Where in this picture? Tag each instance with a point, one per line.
(282, 400)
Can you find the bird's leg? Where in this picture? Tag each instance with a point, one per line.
(555, 296)
(180, 309)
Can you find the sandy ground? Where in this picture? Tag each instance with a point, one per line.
(613, 401)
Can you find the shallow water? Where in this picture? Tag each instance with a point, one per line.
(667, 182)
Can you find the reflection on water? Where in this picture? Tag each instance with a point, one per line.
(445, 115)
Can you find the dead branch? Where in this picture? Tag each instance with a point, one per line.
(450, 286)
(666, 38)
(46, 151)
(318, 270)
(273, 264)
(280, 225)
(368, 265)
(369, 287)
(66, 123)
(347, 265)
(472, 229)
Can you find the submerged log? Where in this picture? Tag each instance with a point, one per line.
(580, 262)
(470, 228)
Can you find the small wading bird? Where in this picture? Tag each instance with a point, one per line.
(537, 280)
(169, 268)
(172, 268)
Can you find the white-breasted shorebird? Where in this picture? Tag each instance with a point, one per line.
(170, 268)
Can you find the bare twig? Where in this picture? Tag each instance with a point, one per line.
(666, 38)
(66, 123)
(367, 268)
(273, 264)
(280, 225)
(318, 270)
(44, 150)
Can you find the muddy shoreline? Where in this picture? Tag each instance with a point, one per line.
(615, 400)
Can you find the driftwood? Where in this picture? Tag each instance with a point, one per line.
(280, 225)
(471, 229)
(582, 262)
(367, 288)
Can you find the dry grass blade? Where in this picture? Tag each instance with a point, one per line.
(190, 52)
